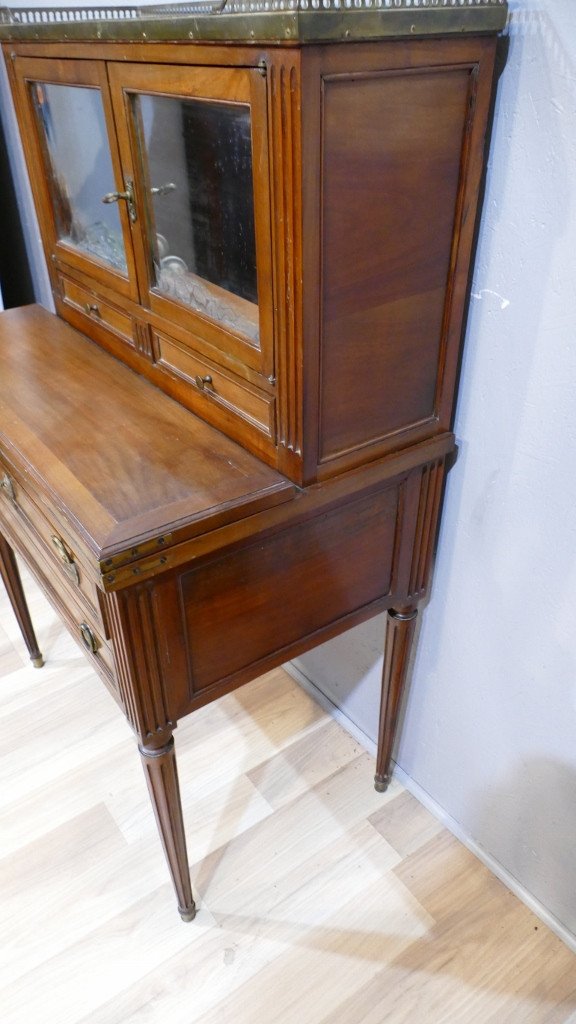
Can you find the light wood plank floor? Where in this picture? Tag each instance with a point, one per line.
(321, 902)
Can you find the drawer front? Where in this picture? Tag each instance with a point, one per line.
(62, 552)
(97, 310)
(213, 388)
(280, 590)
(83, 621)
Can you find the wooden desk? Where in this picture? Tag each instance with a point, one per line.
(184, 565)
(269, 216)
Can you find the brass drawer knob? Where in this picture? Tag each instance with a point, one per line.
(203, 383)
(68, 563)
(88, 638)
(92, 309)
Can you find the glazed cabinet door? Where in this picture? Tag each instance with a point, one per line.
(75, 169)
(193, 140)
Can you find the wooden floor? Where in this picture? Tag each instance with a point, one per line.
(321, 902)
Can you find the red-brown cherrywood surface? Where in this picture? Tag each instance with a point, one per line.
(230, 506)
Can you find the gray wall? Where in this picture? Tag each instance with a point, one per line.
(29, 223)
(490, 724)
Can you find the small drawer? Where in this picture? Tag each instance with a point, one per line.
(61, 549)
(97, 309)
(212, 385)
(88, 631)
(83, 621)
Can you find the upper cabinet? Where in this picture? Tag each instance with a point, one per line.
(276, 232)
(148, 180)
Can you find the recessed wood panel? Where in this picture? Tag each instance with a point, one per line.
(268, 595)
(392, 150)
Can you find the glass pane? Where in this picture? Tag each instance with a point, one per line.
(197, 159)
(72, 118)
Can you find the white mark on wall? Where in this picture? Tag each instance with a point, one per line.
(488, 291)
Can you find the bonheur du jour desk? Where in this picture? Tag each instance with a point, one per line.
(230, 443)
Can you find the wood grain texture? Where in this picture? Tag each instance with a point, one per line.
(388, 227)
(386, 261)
(400, 626)
(171, 467)
(162, 778)
(314, 891)
(281, 589)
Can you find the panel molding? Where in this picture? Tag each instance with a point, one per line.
(384, 336)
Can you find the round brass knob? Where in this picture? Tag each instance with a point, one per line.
(203, 382)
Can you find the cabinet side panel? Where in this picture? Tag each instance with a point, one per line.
(392, 155)
(239, 609)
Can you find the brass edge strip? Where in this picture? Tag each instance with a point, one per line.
(274, 27)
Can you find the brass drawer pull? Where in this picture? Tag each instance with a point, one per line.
(88, 638)
(68, 563)
(203, 383)
(8, 487)
(92, 309)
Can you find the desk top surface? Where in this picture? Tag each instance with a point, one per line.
(119, 459)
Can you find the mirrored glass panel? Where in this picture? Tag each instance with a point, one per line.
(197, 168)
(74, 133)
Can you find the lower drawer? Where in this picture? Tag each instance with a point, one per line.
(84, 623)
(61, 549)
(228, 618)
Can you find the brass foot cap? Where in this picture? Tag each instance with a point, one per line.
(38, 662)
(381, 783)
(187, 913)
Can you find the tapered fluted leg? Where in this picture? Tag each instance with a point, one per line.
(162, 778)
(13, 584)
(400, 627)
